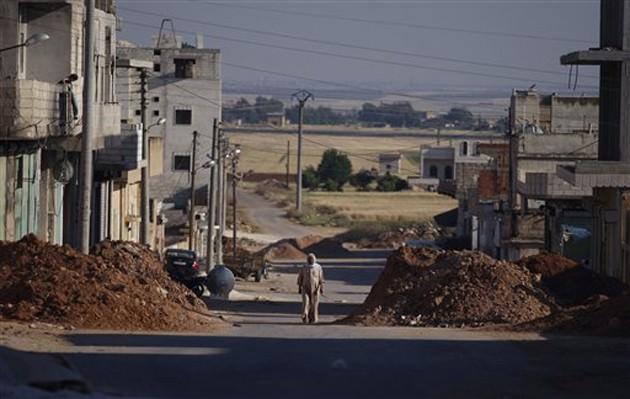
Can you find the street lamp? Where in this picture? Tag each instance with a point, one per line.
(159, 122)
(34, 39)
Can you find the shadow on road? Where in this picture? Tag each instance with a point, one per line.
(277, 307)
(316, 366)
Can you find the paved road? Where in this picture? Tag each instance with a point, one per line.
(270, 219)
(272, 355)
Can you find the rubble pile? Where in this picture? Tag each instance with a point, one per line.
(425, 287)
(394, 237)
(122, 286)
(281, 250)
(569, 282)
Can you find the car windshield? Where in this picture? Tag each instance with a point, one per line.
(180, 254)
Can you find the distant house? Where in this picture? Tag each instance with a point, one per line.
(276, 119)
(389, 164)
(438, 165)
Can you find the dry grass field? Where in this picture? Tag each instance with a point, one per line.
(376, 206)
(266, 152)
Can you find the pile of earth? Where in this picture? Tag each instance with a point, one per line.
(395, 237)
(600, 316)
(569, 282)
(425, 287)
(121, 286)
(282, 250)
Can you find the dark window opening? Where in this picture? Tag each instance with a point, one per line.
(19, 172)
(156, 113)
(138, 112)
(184, 68)
(448, 172)
(183, 117)
(157, 67)
(156, 99)
(181, 162)
(433, 171)
(157, 52)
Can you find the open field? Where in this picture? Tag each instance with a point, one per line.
(344, 209)
(375, 206)
(266, 152)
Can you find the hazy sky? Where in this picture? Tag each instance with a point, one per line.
(576, 20)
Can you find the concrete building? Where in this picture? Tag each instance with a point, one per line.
(185, 88)
(390, 164)
(40, 121)
(533, 113)
(608, 176)
(276, 119)
(515, 205)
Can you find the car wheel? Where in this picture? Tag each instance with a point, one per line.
(198, 290)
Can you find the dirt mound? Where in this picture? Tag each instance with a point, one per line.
(123, 286)
(303, 243)
(570, 283)
(547, 264)
(601, 316)
(282, 250)
(328, 248)
(424, 287)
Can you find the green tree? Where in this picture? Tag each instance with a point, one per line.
(390, 183)
(460, 117)
(362, 179)
(334, 166)
(310, 180)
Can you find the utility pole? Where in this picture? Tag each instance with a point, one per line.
(288, 163)
(513, 139)
(212, 195)
(144, 206)
(302, 97)
(234, 182)
(221, 195)
(226, 146)
(191, 214)
(438, 136)
(87, 172)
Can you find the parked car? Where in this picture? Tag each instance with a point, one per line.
(183, 266)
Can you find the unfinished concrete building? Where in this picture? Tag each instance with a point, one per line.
(40, 121)
(184, 87)
(608, 176)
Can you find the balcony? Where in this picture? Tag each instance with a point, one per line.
(121, 151)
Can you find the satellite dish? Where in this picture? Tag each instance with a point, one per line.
(63, 171)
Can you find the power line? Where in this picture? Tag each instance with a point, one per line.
(396, 23)
(353, 46)
(366, 59)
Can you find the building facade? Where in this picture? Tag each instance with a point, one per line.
(40, 117)
(184, 87)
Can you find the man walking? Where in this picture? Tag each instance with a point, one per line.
(310, 284)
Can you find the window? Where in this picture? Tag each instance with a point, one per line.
(433, 171)
(463, 148)
(157, 67)
(181, 162)
(448, 172)
(156, 99)
(19, 172)
(157, 52)
(156, 113)
(183, 116)
(138, 112)
(184, 68)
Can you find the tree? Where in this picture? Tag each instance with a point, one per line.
(310, 180)
(398, 114)
(336, 167)
(390, 182)
(460, 117)
(362, 179)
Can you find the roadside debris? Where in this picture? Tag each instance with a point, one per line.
(122, 286)
(569, 282)
(425, 287)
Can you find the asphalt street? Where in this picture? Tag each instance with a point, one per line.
(268, 353)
